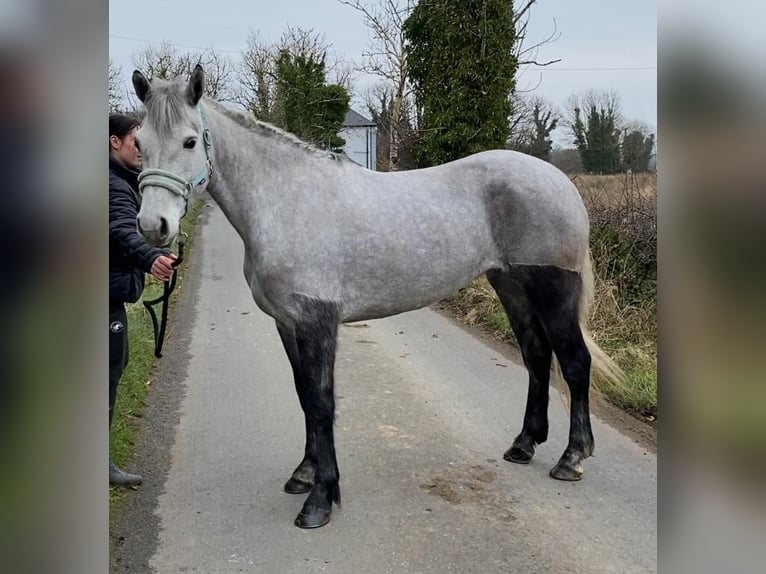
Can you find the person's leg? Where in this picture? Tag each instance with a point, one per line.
(118, 358)
(118, 351)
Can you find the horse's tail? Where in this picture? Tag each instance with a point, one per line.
(602, 366)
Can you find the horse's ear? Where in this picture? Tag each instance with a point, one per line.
(140, 85)
(196, 85)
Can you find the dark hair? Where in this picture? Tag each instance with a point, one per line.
(121, 124)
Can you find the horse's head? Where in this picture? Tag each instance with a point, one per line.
(175, 146)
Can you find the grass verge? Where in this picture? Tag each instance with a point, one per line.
(137, 378)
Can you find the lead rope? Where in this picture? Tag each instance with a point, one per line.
(168, 287)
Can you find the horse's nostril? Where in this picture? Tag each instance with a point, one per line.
(163, 227)
(138, 224)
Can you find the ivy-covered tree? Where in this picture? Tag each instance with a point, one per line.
(534, 122)
(541, 143)
(257, 76)
(311, 109)
(462, 66)
(637, 150)
(595, 121)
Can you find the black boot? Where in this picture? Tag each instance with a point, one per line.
(118, 477)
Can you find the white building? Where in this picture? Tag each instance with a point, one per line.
(360, 135)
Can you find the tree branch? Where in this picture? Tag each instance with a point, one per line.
(523, 10)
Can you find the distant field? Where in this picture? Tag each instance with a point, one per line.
(609, 190)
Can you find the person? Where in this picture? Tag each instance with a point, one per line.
(130, 257)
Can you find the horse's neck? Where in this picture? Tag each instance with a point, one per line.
(245, 169)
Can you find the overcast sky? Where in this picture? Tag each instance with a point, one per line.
(603, 44)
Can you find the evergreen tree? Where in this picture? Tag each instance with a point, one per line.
(310, 109)
(537, 141)
(462, 65)
(637, 150)
(595, 125)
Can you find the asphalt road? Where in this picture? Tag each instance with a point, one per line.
(425, 411)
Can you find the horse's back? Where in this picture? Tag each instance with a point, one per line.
(530, 209)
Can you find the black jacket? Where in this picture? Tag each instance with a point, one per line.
(130, 256)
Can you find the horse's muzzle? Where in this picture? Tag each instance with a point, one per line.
(156, 231)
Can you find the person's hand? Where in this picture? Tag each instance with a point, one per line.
(162, 267)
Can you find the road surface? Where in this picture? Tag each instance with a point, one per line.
(425, 411)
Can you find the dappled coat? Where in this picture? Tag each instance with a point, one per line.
(130, 256)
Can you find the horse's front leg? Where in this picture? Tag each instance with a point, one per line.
(315, 337)
(302, 478)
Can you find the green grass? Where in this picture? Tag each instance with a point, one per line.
(498, 321)
(639, 394)
(137, 378)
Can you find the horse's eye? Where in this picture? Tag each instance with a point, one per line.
(190, 143)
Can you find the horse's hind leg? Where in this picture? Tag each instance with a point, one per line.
(316, 331)
(536, 351)
(302, 478)
(555, 295)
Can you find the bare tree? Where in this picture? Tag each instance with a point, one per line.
(567, 160)
(162, 61)
(166, 62)
(342, 73)
(526, 54)
(257, 78)
(219, 72)
(115, 88)
(378, 100)
(520, 121)
(386, 57)
(532, 123)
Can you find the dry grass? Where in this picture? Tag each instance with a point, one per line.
(609, 190)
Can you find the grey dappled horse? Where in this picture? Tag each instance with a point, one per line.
(329, 242)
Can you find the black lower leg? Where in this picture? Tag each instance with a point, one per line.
(317, 508)
(555, 295)
(302, 478)
(315, 336)
(575, 367)
(537, 354)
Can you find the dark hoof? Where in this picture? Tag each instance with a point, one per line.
(294, 486)
(313, 517)
(518, 455)
(565, 471)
